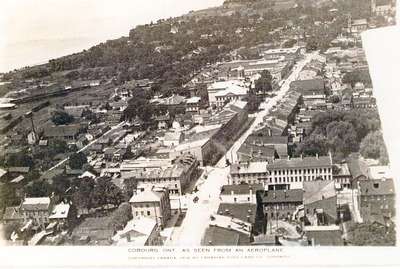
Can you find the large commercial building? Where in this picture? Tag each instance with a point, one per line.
(283, 173)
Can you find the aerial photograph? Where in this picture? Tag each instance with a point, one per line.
(188, 123)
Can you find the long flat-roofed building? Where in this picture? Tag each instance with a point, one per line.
(287, 173)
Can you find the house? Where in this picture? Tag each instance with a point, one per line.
(281, 204)
(381, 7)
(358, 26)
(153, 203)
(163, 121)
(343, 176)
(61, 214)
(330, 235)
(256, 153)
(200, 149)
(279, 143)
(242, 193)
(173, 174)
(172, 139)
(141, 231)
(224, 91)
(36, 209)
(377, 199)
(68, 133)
(320, 202)
(193, 104)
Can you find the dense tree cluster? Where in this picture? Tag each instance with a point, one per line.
(373, 146)
(339, 132)
(89, 193)
(77, 160)
(61, 118)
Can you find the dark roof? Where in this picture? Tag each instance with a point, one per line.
(257, 150)
(244, 212)
(377, 187)
(325, 238)
(305, 162)
(280, 196)
(308, 85)
(240, 189)
(218, 236)
(62, 130)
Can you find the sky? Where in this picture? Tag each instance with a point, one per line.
(32, 31)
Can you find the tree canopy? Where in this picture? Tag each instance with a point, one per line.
(77, 160)
(61, 118)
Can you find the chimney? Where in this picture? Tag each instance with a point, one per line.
(274, 195)
(286, 195)
(232, 192)
(317, 156)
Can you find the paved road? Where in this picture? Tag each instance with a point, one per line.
(197, 218)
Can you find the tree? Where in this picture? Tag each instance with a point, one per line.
(38, 188)
(121, 216)
(82, 196)
(61, 118)
(342, 138)
(8, 196)
(373, 146)
(264, 83)
(77, 160)
(60, 184)
(57, 146)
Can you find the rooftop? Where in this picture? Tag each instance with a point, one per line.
(60, 211)
(377, 187)
(240, 189)
(37, 203)
(146, 196)
(304, 162)
(318, 190)
(243, 212)
(279, 196)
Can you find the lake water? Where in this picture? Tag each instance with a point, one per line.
(38, 30)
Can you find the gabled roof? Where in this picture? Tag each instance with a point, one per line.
(146, 196)
(36, 203)
(318, 190)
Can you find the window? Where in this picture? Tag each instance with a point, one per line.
(248, 199)
(235, 199)
(148, 213)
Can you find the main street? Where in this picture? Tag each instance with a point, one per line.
(198, 214)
